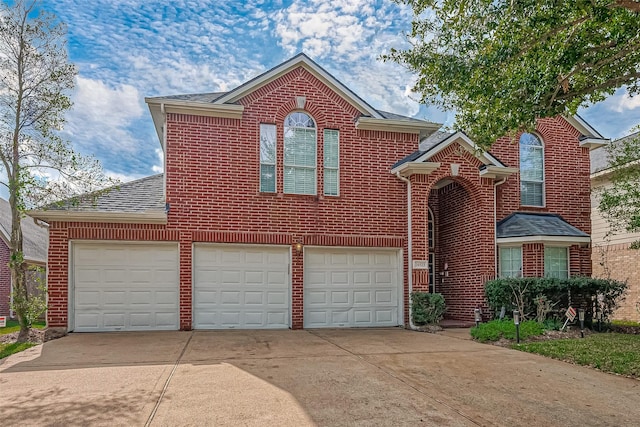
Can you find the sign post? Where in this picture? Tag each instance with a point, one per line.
(571, 315)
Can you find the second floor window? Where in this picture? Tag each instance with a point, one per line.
(531, 170)
(300, 141)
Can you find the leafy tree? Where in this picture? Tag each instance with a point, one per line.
(620, 202)
(502, 64)
(36, 165)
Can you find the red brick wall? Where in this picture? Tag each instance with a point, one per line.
(5, 279)
(567, 189)
(213, 190)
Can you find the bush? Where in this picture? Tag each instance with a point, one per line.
(426, 308)
(522, 294)
(552, 324)
(496, 329)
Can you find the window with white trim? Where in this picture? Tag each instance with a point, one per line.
(531, 170)
(556, 262)
(510, 261)
(299, 154)
(331, 162)
(267, 158)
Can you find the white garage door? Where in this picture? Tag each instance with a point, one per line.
(125, 287)
(241, 286)
(351, 287)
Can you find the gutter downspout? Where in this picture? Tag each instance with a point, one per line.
(495, 222)
(409, 246)
(164, 152)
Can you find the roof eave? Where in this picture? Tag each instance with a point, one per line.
(497, 172)
(415, 168)
(106, 217)
(423, 129)
(593, 143)
(559, 240)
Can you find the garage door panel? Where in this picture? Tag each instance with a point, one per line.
(120, 286)
(351, 287)
(241, 286)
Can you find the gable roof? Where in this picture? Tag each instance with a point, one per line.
(538, 227)
(141, 200)
(35, 238)
(224, 104)
(600, 156)
(438, 141)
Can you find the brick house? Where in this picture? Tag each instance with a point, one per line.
(289, 202)
(612, 255)
(34, 245)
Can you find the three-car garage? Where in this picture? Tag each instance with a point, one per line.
(129, 286)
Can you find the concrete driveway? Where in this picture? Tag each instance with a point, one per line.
(318, 377)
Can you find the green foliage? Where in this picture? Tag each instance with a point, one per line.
(497, 329)
(502, 64)
(7, 350)
(619, 202)
(500, 293)
(33, 303)
(617, 353)
(625, 323)
(552, 324)
(427, 308)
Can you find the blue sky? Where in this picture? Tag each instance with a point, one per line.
(128, 49)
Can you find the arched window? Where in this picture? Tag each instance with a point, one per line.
(299, 154)
(531, 170)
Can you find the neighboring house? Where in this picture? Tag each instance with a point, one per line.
(612, 256)
(35, 241)
(289, 202)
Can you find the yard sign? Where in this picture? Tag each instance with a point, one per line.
(3, 321)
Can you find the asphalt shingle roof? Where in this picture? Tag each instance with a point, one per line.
(140, 196)
(35, 238)
(521, 224)
(195, 97)
(599, 156)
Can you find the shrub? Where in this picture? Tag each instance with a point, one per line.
(552, 324)
(522, 294)
(496, 329)
(426, 308)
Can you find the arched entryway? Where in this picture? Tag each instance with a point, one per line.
(460, 236)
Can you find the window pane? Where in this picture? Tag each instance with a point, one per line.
(331, 182)
(299, 154)
(531, 193)
(267, 158)
(556, 262)
(268, 144)
(331, 161)
(531, 170)
(268, 178)
(331, 148)
(299, 180)
(510, 262)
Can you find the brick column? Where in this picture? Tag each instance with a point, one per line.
(186, 286)
(297, 286)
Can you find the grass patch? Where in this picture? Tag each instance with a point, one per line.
(14, 326)
(625, 323)
(497, 329)
(12, 348)
(608, 352)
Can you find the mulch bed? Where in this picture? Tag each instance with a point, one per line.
(547, 336)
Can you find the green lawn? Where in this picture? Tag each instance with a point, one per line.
(609, 352)
(12, 348)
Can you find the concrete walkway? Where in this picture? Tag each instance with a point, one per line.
(319, 377)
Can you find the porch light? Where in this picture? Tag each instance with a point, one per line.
(477, 314)
(581, 318)
(516, 321)
(299, 247)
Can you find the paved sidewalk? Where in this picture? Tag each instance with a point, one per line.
(318, 377)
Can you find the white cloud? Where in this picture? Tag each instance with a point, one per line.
(101, 115)
(159, 168)
(627, 102)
